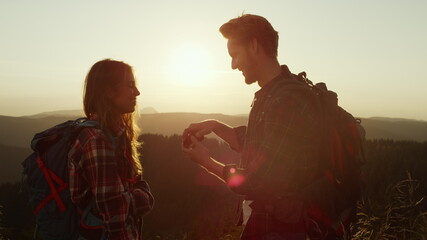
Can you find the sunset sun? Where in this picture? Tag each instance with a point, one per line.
(190, 64)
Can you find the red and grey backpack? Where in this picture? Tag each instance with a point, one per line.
(46, 171)
(332, 197)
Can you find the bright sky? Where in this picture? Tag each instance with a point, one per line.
(372, 53)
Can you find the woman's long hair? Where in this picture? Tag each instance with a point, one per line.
(102, 77)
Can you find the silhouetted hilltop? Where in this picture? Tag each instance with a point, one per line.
(388, 119)
(61, 113)
(76, 112)
(395, 129)
(175, 123)
(376, 128)
(148, 110)
(18, 131)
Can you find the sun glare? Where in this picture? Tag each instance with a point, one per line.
(190, 64)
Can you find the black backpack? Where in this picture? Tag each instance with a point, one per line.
(332, 197)
(46, 171)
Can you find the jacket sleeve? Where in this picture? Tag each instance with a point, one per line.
(240, 132)
(143, 200)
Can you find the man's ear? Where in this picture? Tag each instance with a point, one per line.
(254, 46)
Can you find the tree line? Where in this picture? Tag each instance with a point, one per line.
(191, 204)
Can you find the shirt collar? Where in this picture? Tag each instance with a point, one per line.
(284, 74)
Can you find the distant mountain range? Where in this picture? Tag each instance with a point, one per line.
(17, 132)
(72, 113)
(395, 119)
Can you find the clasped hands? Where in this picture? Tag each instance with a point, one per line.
(191, 141)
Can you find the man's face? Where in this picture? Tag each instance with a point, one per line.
(243, 59)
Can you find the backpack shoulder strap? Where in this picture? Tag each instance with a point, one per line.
(84, 122)
(305, 88)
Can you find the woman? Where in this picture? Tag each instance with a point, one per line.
(105, 171)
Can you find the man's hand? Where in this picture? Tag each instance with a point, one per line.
(186, 140)
(196, 151)
(200, 129)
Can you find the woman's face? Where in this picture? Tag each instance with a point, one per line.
(123, 95)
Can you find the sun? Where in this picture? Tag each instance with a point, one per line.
(190, 64)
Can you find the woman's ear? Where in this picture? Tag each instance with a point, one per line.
(110, 93)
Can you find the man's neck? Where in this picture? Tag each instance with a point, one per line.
(268, 71)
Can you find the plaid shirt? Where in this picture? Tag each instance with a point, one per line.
(98, 170)
(278, 147)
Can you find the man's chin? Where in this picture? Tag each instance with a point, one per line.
(249, 81)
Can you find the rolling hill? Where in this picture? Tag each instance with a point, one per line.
(17, 132)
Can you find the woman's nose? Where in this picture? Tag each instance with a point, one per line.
(136, 92)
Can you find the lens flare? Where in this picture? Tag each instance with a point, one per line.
(236, 180)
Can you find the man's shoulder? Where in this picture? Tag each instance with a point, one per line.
(293, 94)
(291, 88)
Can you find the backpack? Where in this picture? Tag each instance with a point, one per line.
(46, 171)
(333, 195)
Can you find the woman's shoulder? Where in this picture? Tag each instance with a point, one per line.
(91, 134)
(81, 142)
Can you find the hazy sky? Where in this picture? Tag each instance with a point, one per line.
(372, 53)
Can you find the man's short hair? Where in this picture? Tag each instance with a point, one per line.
(248, 27)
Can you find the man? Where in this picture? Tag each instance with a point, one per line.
(280, 146)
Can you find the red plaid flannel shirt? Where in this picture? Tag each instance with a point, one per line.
(97, 170)
(278, 147)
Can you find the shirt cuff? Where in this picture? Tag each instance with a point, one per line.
(240, 132)
(234, 177)
(142, 202)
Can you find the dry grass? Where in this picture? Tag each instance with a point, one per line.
(399, 216)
